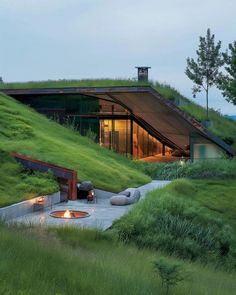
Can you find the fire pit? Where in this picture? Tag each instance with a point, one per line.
(69, 214)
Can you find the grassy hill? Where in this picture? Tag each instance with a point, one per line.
(192, 219)
(24, 131)
(221, 126)
(66, 261)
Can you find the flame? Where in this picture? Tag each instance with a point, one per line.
(67, 214)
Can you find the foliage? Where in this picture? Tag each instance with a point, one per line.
(73, 261)
(228, 83)
(205, 71)
(170, 274)
(185, 220)
(91, 135)
(212, 169)
(46, 140)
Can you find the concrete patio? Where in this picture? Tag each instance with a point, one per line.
(102, 214)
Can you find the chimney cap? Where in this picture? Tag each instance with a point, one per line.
(142, 67)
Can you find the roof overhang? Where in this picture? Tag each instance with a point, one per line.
(158, 115)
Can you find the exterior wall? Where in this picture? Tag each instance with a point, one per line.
(202, 148)
(206, 151)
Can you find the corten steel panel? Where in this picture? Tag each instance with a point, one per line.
(57, 171)
(146, 105)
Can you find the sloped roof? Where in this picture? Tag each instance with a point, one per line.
(158, 115)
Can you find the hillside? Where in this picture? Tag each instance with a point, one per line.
(74, 261)
(221, 126)
(192, 219)
(24, 131)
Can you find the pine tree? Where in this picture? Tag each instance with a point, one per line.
(228, 82)
(205, 71)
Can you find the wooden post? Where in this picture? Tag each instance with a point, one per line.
(163, 149)
(131, 138)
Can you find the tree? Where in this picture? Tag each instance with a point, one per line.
(170, 274)
(205, 71)
(228, 82)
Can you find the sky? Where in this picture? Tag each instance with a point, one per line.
(79, 39)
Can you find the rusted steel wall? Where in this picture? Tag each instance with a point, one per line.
(58, 171)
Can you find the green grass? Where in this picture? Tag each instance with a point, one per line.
(17, 184)
(72, 261)
(210, 169)
(219, 198)
(24, 131)
(73, 83)
(192, 219)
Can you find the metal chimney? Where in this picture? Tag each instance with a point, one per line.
(143, 73)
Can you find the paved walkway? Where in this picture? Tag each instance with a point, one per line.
(102, 214)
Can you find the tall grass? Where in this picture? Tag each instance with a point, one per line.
(178, 220)
(106, 82)
(210, 169)
(74, 261)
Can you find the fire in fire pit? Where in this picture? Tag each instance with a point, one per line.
(69, 214)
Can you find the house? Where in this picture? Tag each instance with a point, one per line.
(135, 121)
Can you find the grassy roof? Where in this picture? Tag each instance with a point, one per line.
(223, 127)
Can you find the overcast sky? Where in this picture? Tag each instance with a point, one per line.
(77, 39)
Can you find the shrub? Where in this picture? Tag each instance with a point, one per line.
(170, 274)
